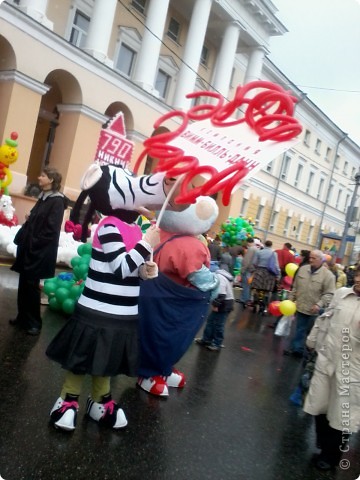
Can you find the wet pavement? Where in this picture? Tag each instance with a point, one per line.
(232, 421)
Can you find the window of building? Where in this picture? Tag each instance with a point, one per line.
(269, 166)
(287, 225)
(167, 71)
(321, 188)
(310, 181)
(299, 229)
(337, 161)
(259, 214)
(204, 57)
(200, 86)
(244, 205)
(273, 221)
(139, 5)
(129, 42)
(79, 29)
(126, 60)
(310, 234)
(298, 174)
(347, 201)
(307, 137)
(328, 154)
(338, 198)
(285, 167)
(346, 168)
(353, 170)
(162, 83)
(173, 29)
(232, 77)
(318, 146)
(330, 192)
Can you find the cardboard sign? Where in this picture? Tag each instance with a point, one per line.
(113, 146)
(223, 147)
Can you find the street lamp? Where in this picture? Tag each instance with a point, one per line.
(349, 216)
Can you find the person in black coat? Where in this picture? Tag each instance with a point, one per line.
(38, 241)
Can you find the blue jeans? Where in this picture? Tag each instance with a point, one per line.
(304, 324)
(245, 293)
(214, 329)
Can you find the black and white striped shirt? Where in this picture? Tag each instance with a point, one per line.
(112, 284)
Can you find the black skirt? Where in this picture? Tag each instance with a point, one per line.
(97, 343)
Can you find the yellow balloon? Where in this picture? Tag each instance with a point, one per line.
(290, 269)
(287, 307)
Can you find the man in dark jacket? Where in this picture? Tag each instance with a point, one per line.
(38, 241)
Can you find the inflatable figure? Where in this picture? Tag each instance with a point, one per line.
(8, 155)
(174, 305)
(7, 215)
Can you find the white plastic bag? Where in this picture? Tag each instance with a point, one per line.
(284, 326)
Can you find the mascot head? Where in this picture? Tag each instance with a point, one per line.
(194, 220)
(116, 191)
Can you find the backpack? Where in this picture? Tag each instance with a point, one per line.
(271, 266)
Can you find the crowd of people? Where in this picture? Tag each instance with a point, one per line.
(326, 334)
(113, 331)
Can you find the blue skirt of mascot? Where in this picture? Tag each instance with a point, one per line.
(174, 305)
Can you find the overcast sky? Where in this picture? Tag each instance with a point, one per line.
(321, 55)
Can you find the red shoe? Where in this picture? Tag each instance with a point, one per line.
(177, 379)
(154, 385)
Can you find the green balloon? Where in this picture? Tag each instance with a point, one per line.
(50, 287)
(61, 294)
(85, 259)
(75, 291)
(84, 249)
(83, 270)
(87, 248)
(54, 304)
(75, 261)
(68, 305)
(76, 272)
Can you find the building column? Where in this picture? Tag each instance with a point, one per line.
(192, 52)
(225, 59)
(255, 63)
(146, 65)
(100, 28)
(37, 10)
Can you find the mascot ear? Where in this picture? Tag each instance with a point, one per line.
(91, 176)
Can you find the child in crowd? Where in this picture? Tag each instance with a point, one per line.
(221, 306)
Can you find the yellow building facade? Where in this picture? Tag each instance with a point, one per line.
(67, 66)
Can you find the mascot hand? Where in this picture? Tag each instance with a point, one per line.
(148, 271)
(152, 236)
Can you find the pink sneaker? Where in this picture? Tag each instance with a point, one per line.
(154, 385)
(177, 379)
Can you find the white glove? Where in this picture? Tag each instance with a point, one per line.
(148, 270)
(152, 236)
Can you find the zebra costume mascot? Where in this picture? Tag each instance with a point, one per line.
(101, 337)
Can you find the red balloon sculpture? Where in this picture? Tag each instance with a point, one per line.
(269, 113)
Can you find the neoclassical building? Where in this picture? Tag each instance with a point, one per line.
(67, 66)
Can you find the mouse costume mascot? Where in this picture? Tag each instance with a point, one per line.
(101, 337)
(173, 306)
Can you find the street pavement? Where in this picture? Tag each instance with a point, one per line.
(232, 421)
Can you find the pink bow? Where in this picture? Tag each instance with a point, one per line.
(76, 229)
